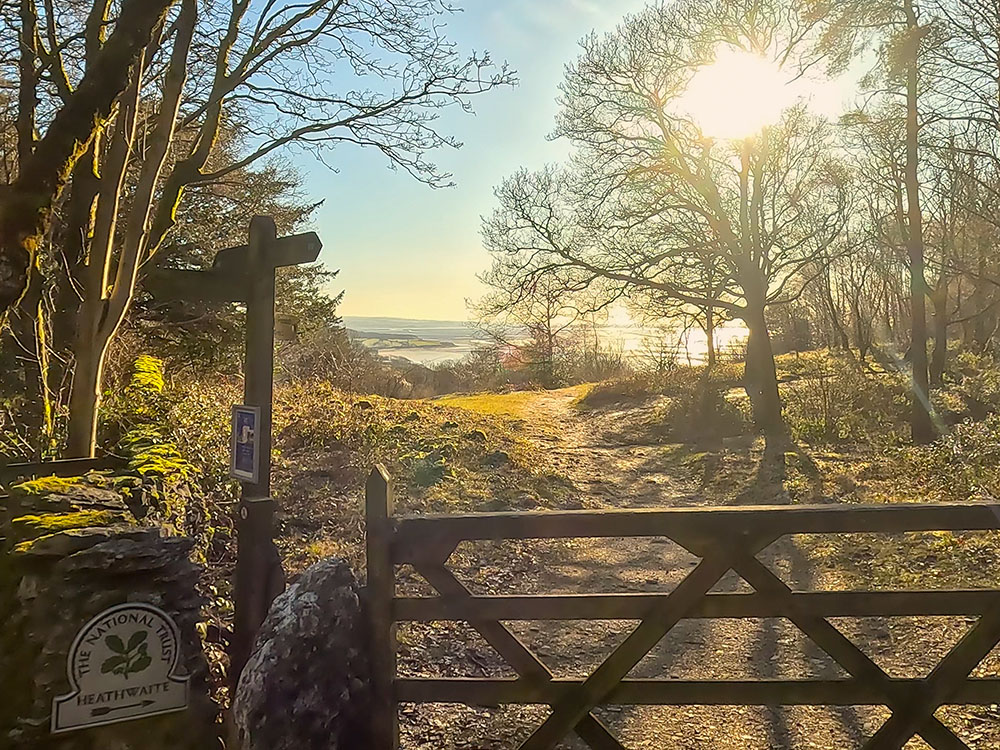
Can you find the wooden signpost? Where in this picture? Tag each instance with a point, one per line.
(245, 273)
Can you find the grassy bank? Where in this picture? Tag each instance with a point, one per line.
(443, 459)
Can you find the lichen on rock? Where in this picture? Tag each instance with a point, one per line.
(34, 526)
(306, 685)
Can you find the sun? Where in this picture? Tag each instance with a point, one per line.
(737, 95)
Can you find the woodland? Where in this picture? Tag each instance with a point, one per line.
(858, 254)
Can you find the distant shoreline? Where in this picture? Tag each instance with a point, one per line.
(426, 342)
(439, 342)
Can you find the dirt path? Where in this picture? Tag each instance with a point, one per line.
(614, 474)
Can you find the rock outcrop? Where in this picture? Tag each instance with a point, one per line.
(305, 686)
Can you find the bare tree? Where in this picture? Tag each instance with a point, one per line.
(968, 86)
(647, 198)
(850, 25)
(529, 325)
(273, 75)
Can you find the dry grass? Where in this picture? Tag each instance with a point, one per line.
(518, 404)
(475, 453)
(740, 471)
(443, 459)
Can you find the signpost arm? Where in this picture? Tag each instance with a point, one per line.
(258, 566)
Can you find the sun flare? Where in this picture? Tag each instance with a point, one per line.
(737, 95)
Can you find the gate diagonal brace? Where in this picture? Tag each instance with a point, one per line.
(854, 661)
(658, 622)
(528, 667)
(939, 685)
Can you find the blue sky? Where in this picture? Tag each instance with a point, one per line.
(406, 250)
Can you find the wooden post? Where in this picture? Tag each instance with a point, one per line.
(255, 585)
(259, 363)
(245, 273)
(381, 590)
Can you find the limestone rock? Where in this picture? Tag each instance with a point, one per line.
(70, 541)
(305, 686)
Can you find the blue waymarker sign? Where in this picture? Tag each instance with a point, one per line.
(245, 460)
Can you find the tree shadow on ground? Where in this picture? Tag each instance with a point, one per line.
(789, 562)
(769, 482)
(776, 647)
(767, 486)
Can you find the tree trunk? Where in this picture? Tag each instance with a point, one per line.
(979, 303)
(862, 330)
(888, 324)
(921, 425)
(939, 359)
(69, 277)
(89, 346)
(710, 337)
(75, 241)
(100, 316)
(88, 371)
(760, 376)
(28, 328)
(840, 338)
(27, 90)
(964, 313)
(85, 402)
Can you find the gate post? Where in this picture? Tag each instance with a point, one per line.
(381, 591)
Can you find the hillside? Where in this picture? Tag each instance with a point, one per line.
(616, 445)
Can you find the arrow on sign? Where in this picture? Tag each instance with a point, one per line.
(109, 709)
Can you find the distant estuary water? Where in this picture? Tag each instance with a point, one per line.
(414, 339)
(434, 342)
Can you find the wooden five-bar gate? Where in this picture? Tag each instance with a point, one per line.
(725, 539)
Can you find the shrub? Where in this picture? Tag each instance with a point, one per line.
(702, 411)
(963, 464)
(692, 404)
(671, 382)
(330, 356)
(481, 370)
(976, 381)
(846, 404)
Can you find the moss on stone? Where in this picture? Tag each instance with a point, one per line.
(147, 374)
(46, 485)
(143, 396)
(150, 453)
(35, 526)
(159, 486)
(162, 460)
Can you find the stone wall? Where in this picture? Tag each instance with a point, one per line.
(160, 486)
(72, 549)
